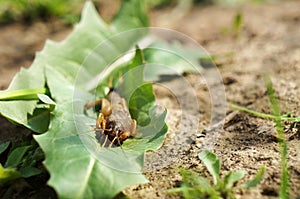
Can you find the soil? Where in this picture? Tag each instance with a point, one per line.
(267, 43)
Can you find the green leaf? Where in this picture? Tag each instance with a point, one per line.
(22, 159)
(4, 146)
(47, 100)
(170, 59)
(29, 171)
(39, 120)
(258, 177)
(133, 77)
(195, 186)
(212, 163)
(15, 157)
(140, 104)
(128, 18)
(136, 91)
(150, 138)
(114, 165)
(232, 177)
(151, 124)
(7, 175)
(79, 167)
(18, 110)
(194, 179)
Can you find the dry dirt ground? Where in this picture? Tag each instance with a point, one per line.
(268, 42)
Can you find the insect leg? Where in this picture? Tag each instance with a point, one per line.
(112, 142)
(133, 127)
(101, 122)
(104, 143)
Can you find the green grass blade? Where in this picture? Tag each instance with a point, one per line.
(231, 178)
(264, 115)
(284, 188)
(15, 157)
(258, 177)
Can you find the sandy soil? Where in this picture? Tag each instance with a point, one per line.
(268, 42)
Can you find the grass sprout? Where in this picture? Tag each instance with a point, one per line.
(195, 186)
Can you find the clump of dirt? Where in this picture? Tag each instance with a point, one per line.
(267, 43)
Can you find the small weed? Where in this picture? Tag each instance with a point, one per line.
(195, 186)
(237, 22)
(278, 118)
(236, 25)
(23, 160)
(284, 117)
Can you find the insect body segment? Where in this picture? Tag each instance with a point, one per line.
(114, 121)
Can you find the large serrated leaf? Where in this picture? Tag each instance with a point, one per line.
(71, 54)
(73, 154)
(75, 171)
(78, 165)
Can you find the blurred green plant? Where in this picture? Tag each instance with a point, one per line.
(69, 10)
(31, 10)
(238, 2)
(238, 22)
(23, 160)
(160, 3)
(194, 186)
(236, 25)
